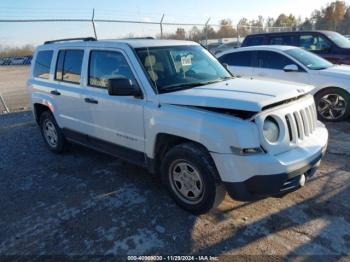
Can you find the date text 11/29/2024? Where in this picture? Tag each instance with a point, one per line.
(172, 258)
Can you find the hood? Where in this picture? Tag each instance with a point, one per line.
(239, 94)
(342, 71)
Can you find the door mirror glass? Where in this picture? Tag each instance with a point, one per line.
(122, 87)
(291, 68)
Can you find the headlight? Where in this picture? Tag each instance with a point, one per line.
(271, 130)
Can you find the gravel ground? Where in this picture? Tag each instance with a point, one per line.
(84, 202)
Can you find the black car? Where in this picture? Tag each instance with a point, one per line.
(328, 44)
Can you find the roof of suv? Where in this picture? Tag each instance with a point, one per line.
(267, 47)
(135, 43)
(289, 32)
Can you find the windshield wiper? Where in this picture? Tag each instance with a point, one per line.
(189, 85)
(181, 86)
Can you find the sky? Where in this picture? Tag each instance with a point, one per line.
(183, 11)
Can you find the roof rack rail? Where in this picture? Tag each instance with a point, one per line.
(145, 37)
(71, 39)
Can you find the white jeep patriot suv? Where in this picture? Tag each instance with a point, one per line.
(172, 108)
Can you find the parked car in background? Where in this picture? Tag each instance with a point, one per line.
(18, 60)
(171, 107)
(288, 63)
(212, 46)
(225, 47)
(5, 61)
(330, 45)
(347, 36)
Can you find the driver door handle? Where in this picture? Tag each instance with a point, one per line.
(90, 100)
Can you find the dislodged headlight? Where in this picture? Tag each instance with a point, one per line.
(271, 129)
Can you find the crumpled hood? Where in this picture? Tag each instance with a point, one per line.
(341, 71)
(240, 94)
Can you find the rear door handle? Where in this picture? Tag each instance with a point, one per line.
(55, 93)
(91, 100)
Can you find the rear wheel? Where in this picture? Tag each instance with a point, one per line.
(333, 104)
(51, 133)
(191, 178)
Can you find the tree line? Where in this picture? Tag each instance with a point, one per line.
(335, 17)
(16, 51)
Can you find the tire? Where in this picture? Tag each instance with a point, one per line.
(333, 104)
(52, 134)
(191, 178)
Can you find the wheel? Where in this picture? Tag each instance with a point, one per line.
(51, 133)
(333, 104)
(191, 178)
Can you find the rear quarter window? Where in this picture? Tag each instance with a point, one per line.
(254, 40)
(42, 64)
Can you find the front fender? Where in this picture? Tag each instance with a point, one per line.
(217, 132)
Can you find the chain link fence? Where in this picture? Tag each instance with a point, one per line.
(206, 32)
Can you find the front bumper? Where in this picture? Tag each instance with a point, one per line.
(255, 176)
(261, 186)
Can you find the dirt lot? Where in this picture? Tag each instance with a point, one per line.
(84, 202)
(13, 88)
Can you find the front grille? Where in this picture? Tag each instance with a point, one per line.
(301, 123)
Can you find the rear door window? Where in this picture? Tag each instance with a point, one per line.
(42, 64)
(281, 40)
(272, 60)
(237, 59)
(69, 63)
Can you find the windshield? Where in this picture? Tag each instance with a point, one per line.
(339, 39)
(172, 68)
(308, 59)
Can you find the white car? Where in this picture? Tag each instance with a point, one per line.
(225, 47)
(287, 63)
(171, 107)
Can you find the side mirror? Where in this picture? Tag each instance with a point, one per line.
(122, 87)
(291, 68)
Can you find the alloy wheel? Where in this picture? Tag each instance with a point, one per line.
(332, 106)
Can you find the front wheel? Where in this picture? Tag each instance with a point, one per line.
(191, 178)
(333, 104)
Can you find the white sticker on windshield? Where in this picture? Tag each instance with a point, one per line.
(186, 61)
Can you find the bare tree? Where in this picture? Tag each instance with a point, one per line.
(226, 29)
